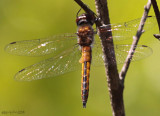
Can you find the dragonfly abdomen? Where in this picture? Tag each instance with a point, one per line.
(86, 61)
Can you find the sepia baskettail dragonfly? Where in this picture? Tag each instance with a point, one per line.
(69, 49)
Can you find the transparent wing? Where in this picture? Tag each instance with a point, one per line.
(126, 30)
(65, 62)
(121, 52)
(38, 47)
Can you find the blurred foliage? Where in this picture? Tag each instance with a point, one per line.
(28, 19)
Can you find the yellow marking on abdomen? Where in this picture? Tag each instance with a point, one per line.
(86, 61)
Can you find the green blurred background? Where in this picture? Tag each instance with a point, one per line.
(60, 96)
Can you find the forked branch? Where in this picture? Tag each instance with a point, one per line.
(115, 80)
(114, 86)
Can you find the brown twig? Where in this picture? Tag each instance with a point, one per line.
(84, 7)
(157, 13)
(135, 42)
(157, 36)
(156, 10)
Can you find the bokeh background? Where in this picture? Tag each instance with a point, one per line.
(60, 96)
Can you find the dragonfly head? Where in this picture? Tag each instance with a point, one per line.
(85, 19)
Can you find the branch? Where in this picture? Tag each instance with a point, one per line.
(157, 13)
(135, 42)
(156, 10)
(114, 86)
(85, 7)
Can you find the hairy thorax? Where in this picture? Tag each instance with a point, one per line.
(85, 35)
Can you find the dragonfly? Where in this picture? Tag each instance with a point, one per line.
(78, 50)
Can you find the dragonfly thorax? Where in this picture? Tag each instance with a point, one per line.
(85, 35)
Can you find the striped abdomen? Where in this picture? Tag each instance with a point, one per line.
(86, 61)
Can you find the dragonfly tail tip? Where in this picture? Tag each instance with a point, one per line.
(84, 104)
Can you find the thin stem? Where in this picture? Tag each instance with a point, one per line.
(156, 10)
(84, 7)
(135, 42)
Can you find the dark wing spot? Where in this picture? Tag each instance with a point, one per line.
(144, 46)
(125, 24)
(13, 43)
(22, 70)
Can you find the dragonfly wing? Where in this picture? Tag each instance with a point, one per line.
(65, 62)
(122, 51)
(97, 54)
(38, 47)
(126, 30)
